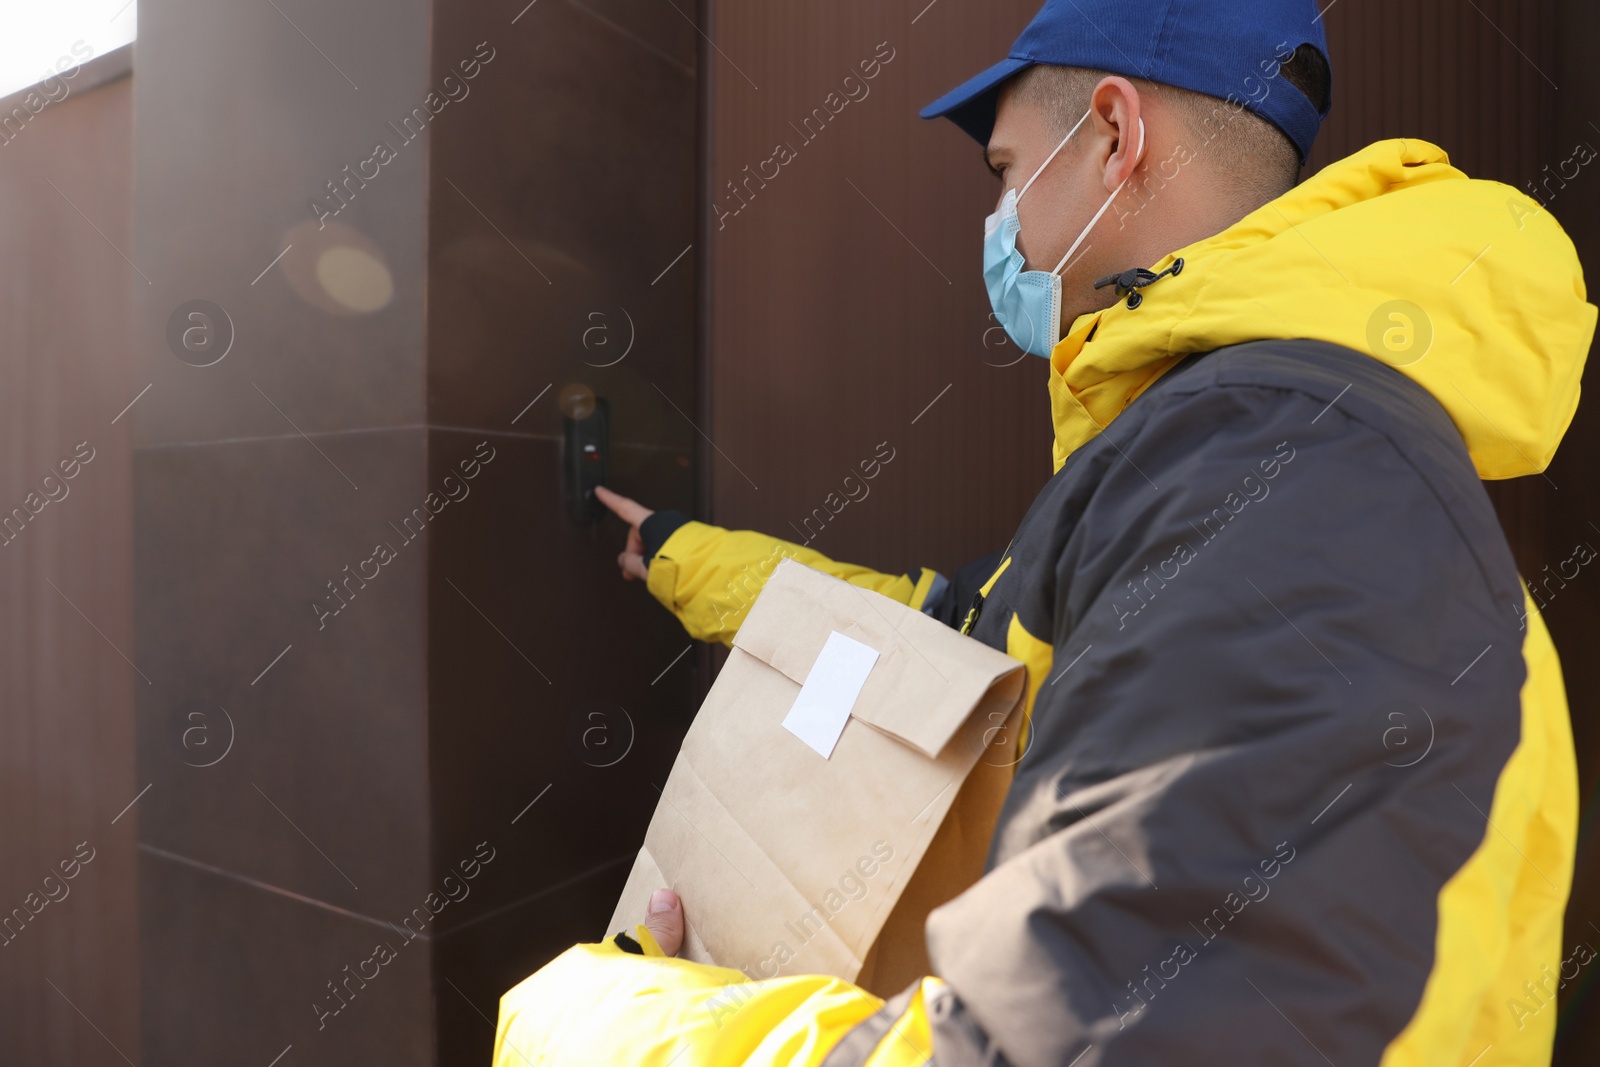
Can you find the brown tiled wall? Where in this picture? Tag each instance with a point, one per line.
(257, 480)
(496, 661)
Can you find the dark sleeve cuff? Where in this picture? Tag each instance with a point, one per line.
(950, 602)
(655, 530)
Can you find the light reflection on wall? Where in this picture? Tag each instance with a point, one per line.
(336, 268)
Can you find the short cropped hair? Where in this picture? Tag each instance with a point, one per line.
(1266, 164)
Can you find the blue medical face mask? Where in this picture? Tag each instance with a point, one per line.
(1028, 302)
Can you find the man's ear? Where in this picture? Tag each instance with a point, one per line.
(1116, 111)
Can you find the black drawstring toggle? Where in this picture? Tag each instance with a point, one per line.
(1129, 282)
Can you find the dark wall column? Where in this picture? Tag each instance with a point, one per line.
(561, 271)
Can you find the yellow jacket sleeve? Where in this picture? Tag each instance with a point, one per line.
(596, 1004)
(708, 577)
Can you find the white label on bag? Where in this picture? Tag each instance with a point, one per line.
(830, 691)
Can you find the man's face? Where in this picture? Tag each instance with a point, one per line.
(1063, 198)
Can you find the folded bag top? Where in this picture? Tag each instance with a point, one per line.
(928, 678)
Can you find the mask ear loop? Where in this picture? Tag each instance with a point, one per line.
(1105, 206)
(1053, 155)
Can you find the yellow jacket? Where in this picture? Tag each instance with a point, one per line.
(1177, 719)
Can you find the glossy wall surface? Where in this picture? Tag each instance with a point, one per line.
(353, 558)
(561, 217)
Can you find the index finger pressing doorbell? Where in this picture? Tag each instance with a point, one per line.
(586, 455)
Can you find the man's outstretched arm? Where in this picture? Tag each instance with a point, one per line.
(708, 577)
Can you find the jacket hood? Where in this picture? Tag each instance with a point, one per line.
(1468, 287)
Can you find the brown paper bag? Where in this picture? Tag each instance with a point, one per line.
(792, 863)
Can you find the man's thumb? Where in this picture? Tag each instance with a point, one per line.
(665, 920)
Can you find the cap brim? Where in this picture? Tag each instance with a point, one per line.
(972, 104)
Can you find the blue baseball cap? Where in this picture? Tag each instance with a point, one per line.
(1230, 49)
